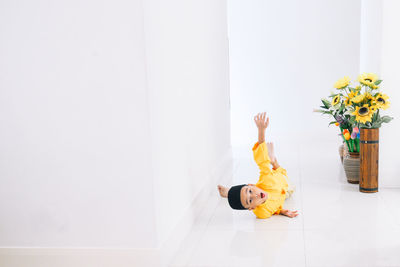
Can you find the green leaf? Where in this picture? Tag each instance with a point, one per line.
(323, 107)
(375, 117)
(332, 122)
(326, 103)
(376, 124)
(322, 111)
(386, 119)
(341, 108)
(377, 82)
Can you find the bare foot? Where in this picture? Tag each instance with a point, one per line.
(223, 191)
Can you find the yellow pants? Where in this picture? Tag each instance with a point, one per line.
(291, 188)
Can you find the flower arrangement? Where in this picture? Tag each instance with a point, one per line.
(356, 107)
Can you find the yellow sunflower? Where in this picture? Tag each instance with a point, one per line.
(352, 94)
(342, 83)
(374, 107)
(368, 96)
(347, 101)
(358, 88)
(363, 114)
(335, 100)
(357, 99)
(382, 101)
(368, 79)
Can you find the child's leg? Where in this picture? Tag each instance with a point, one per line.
(271, 154)
(291, 188)
(223, 191)
(275, 165)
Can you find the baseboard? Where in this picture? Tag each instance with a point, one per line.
(77, 257)
(111, 257)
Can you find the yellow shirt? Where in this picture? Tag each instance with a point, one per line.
(271, 181)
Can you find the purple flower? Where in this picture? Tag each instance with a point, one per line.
(353, 135)
(339, 119)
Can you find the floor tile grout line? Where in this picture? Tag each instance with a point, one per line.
(302, 205)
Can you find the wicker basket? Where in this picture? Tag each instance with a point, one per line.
(341, 152)
(351, 165)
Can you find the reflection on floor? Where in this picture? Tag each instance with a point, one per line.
(337, 225)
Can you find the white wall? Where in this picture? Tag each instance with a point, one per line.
(114, 115)
(74, 125)
(389, 168)
(187, 52)
(371, 36)
(285, 56)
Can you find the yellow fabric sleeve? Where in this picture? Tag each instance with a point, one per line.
(278, 211)
(265, 211)
(260, 154)
(282, 171)
(262, 212)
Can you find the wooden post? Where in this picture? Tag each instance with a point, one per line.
(369, 160)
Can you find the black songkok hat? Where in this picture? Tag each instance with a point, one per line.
(234, 197)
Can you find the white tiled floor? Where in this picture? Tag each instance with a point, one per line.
(337, 225)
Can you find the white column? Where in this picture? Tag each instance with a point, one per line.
(389, 141)
(371, 36)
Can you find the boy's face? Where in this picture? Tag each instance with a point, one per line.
(251, 196)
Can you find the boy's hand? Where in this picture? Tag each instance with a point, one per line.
(260, 121)
(289, 213)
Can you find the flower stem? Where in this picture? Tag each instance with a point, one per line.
(358, 145)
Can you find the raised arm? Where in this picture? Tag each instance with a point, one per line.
(262, 124)
(260, 150)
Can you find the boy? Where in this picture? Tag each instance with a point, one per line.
(267, 196)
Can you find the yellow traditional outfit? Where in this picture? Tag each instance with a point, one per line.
(274, 182)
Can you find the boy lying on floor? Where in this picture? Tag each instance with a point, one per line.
(267, 196)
